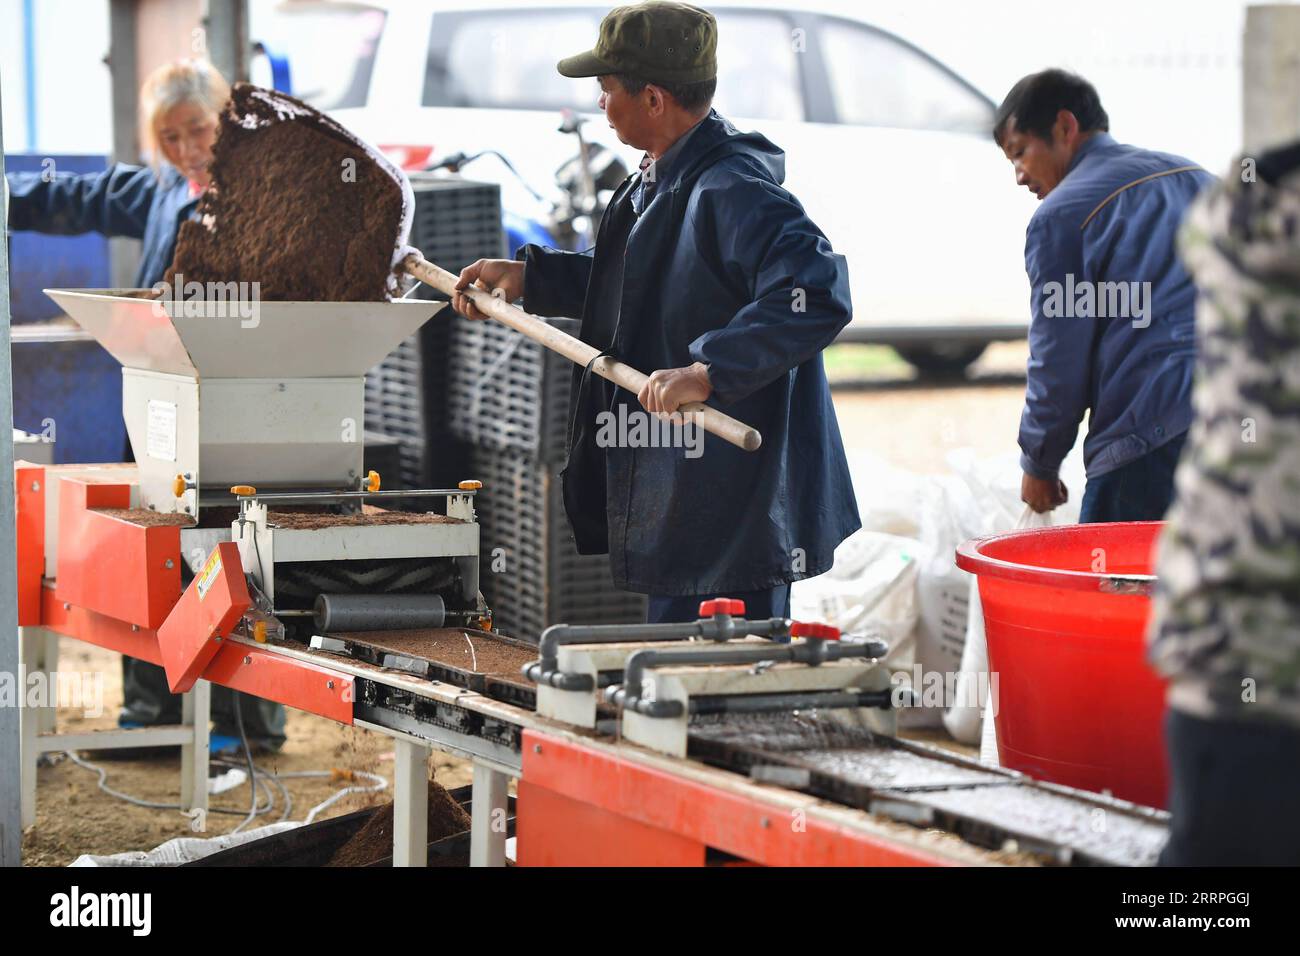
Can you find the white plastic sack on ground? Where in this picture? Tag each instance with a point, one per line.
(183, 849)
(869, 591)
(974, 684)
(989, 755)
(962, 719)
(994, 485)
(948, 515)
(889, 497)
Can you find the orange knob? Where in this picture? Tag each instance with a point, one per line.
(732, 606)
(178, 485)
(470, 484)
(821, 632)
(372, 481)
(243, 491)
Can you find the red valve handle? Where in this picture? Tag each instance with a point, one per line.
(732, 606)
(823, 632)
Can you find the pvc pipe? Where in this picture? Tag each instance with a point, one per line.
(720, 627)
(812, 652)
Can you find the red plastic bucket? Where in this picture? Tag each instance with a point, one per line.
(1065, 613)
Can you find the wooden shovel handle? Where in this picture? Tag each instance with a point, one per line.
(578, 351)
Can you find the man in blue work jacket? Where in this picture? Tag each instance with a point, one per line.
(709, 275)
(1111, 329)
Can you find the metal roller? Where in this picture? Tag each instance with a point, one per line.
(378, 612)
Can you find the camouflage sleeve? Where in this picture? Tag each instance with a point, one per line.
(1227, 604)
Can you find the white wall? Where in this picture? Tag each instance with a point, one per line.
(11, 75)
(73, 97)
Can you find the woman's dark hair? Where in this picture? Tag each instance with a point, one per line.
(689, 96)
(1035, 101)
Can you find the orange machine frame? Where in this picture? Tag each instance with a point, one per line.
(115, 590)
(29, 504)
(585, 806)
(580, 803)
(116, 567)
(203, 617)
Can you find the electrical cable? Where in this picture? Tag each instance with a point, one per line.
(380, 784)
(457, 161)
(262, 776)
(237, 701)
(137, 801)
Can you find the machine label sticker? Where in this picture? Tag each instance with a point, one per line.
(161, 441)
(209, 573)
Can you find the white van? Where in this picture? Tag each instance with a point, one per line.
(888, 149)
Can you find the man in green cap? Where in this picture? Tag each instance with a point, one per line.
(707, 273)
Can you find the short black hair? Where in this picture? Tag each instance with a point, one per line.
(689, 96)
(1036, 99)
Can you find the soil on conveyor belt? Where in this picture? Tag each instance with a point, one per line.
(295, 205)
(146, 518)
(374, 841)
(469, 651)
(369, 517)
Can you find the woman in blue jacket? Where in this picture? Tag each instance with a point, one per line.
(180, 105)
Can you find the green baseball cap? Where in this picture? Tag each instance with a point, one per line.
(657, 41)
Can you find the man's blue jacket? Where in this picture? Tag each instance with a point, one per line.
(723, 267)
(1112, 309)
(130, 201)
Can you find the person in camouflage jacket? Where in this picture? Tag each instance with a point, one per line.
(1226, 622)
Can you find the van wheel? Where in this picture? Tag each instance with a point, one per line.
(941, 359)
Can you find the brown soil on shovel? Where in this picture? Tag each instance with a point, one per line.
(374, 841)
(297, 205)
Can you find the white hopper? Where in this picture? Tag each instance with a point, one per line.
(269, 394)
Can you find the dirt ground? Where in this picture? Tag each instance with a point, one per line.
(74, 817)
(882, 407)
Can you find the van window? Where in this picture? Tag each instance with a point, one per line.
(508, 62)
(488, 60)
(876, 80)
(758, 70)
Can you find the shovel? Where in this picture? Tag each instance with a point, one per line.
(576, 350)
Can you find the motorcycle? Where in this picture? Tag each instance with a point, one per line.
(587, 182)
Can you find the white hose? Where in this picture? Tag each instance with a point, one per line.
(261, 779)
(380, 784)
